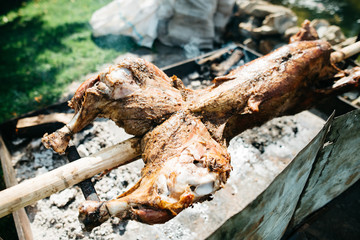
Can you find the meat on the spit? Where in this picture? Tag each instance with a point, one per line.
(141, 93)
(185, 131)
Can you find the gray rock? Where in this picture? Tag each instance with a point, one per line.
(83, 152)
(330, 33)
(280, 21)
(290, 32)
(64, 197)
(260, 8)
(275, 23)
(248, 30)
(318, 23)
(264, 30)
(195, 84)
(194, 75)
(333, 35)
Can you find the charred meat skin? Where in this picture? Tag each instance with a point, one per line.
(185, 131)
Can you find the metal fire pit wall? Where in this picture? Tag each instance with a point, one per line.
(260, 198)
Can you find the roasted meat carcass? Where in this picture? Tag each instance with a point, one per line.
(184, 132)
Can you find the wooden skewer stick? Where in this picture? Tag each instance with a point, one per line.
(345, 52)
(42, 186)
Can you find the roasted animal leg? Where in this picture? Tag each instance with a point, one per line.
(135, 94)
(184, 164)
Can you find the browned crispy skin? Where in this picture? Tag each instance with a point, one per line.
(279, 83)
(185, 132)
(184, 164)
(135, 94)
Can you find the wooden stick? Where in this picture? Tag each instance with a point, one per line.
(21, 219)
(43, 119)
(63, 177)
(345, 52)
(213, 56)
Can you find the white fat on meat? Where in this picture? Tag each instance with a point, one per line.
(115, 207)
(122, 82)
(199, 179)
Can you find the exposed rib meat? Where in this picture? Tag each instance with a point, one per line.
(185, 131)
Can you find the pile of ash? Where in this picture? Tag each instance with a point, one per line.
(258, 156)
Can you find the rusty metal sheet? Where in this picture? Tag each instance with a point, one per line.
(337, 166)
(269, 214)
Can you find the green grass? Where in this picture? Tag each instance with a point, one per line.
(44, 46)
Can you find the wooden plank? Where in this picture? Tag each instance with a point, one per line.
(306, 185)
(269, 214)
(31, 190)
(336, 169)
(21, 219)
(43, 119)
(37, 126)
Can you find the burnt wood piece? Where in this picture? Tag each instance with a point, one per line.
(223, 67)
(86, 186)
(36, 126)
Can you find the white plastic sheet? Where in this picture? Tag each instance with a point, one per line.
(135, 18)
(174, 22)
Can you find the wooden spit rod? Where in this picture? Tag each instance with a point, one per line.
(32, 190)
(345, 52)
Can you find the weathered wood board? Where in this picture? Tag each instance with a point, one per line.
(21, 220)
(269, 214)
(43, 119)
(336, 168)
(321, 171)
